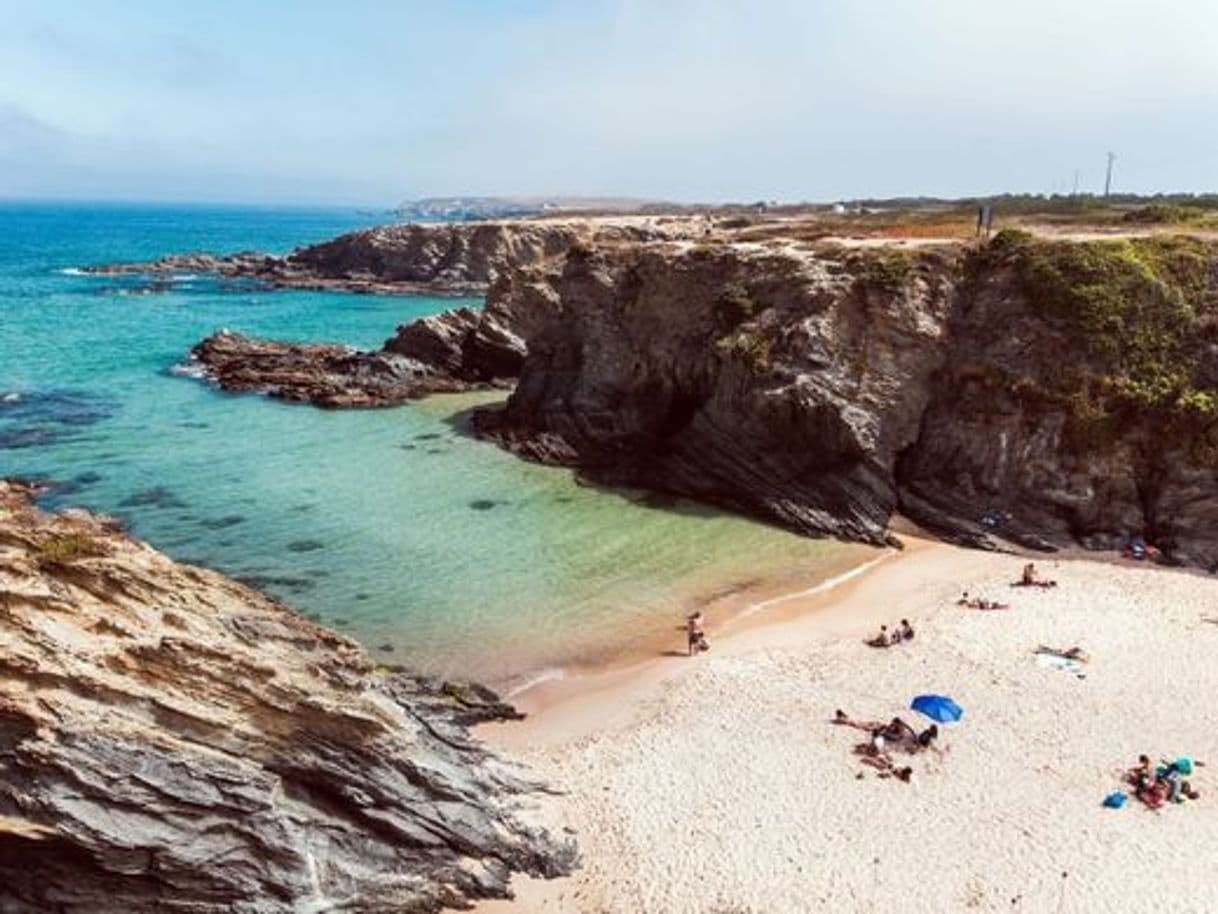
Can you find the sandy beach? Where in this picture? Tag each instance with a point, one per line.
(718, 784)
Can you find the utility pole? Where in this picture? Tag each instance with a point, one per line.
(1108, 179)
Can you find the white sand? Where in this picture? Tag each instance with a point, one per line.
(718, 784)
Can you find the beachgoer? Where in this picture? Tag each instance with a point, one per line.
(882, 639)
(928, 736)
(963, 601)
(897, 731)
(877, 744)
(906, 630)
(1143, 775)
(1029, 575)
(695, 634)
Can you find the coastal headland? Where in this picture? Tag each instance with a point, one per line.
(1043, 392)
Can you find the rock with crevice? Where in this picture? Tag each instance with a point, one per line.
(173, 741)
(772, 382)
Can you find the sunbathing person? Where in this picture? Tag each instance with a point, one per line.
(980, 603)
(928, 736)
(897, 731)
(1075, 653)
(906, 630)
(882, 639)
(843, 719)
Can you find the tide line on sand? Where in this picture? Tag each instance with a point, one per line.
(821, 587)
(559, 673)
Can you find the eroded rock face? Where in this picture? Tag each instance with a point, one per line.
(775, 383)
(173, 741)
(825, 390)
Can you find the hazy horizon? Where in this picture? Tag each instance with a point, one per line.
(684, 101)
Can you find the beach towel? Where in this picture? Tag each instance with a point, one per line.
(1058, 662)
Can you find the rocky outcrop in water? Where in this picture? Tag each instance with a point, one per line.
(173, 741)
(456, 350)
(460, 259)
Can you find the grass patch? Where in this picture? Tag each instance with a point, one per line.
(65, 548)
(886, 269)
(750, 347)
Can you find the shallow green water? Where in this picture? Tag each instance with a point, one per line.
(391, 525)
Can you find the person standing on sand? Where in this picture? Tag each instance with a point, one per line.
(695, 634)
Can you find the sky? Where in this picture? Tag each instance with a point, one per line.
(370, 103)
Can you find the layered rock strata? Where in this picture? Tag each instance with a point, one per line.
(173, 741)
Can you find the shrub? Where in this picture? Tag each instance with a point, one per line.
(1137, 311)
(734, 305)
(751, 348)
(65, 548)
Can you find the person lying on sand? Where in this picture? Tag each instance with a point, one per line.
(980, 603)
(884, 765)
(843, 719)
(1069, 653)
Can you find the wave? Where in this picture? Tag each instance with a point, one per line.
(825, 585)
(73, 271)
(190, 369)
(546, 674)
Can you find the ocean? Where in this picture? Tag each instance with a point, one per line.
(394, 526)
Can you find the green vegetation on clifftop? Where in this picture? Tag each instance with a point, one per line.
(1141, 312)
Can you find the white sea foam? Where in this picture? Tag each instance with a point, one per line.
(822, 587)
(190, 369)
(73, 271)
(10, 397)
(547, 674)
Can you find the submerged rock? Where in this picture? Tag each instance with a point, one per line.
(173, 741)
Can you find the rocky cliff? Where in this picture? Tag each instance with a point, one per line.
(448, 259)
(780, 383)
(1044, 392)
(173, 741)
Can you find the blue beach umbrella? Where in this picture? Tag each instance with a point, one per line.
(938, 708)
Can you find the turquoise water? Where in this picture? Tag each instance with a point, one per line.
(391, 525)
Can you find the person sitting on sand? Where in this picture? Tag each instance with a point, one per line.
(963, 601)
(928, 736)
(882, 639)
(897, 731)
(906, 630)
(1143, 774)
